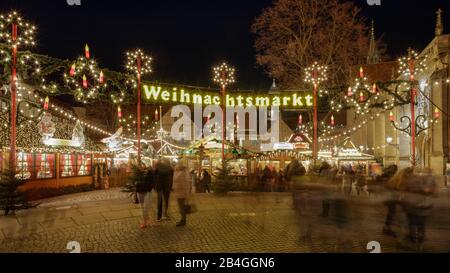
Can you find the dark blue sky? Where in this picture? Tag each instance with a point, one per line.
(187, 37)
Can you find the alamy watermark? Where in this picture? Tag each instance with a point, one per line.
(242, 123)
(73, 2)
(374, 2)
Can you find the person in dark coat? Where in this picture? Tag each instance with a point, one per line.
(143, 190)
(164, 178)
(205, 179)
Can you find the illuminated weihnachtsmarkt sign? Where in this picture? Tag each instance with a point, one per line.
(159, 94)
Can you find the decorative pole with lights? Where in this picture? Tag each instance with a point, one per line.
(15, 33)
(224, 75)
(139, 64)
(315, 75)
(410, 66)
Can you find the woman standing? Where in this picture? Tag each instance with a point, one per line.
(181, 189)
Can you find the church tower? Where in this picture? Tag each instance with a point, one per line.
(373, 57)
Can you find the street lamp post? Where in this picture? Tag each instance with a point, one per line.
(139, 63)
(9, 34)
(223, 75)
(415, 125)
(315, 75)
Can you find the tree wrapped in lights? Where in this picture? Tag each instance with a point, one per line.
(138, 64)
(224, 75)
(85, 79)
(315, 75)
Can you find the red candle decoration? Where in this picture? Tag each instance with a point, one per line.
(72, 70)
(208, 119)
(101, 80)
(349, 92)
(361, 97)
(437, 113)
(300, 120)
(391, 116)
(86, 52)
(332, 120)
(85, 82)
(374, 88)
(119, 112)
(46, 103)
(361, 72)
(156, 115)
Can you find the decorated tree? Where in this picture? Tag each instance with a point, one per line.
(11, 199)
(223, 182)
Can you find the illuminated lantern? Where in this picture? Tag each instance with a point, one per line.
(86, 52)
(101, 80)
(361, 97)
(332, 120)
(85, 82)
(300, 120)
(374, 88)
(350, 92)
(361, 72)
(119, 112)
(72, 70)
(46, 103)
(437, 114)
(391, 116)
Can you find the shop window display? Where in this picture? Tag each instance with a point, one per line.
(45, 166)
(24, 166)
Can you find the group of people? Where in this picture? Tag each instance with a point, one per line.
(167, 181)
(271, 180)
(412, 189)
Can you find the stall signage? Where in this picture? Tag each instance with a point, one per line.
(283, 146)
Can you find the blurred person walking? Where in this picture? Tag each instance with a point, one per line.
(391, 180)
(144, 188)
(418, 202)
(181, 190)
(164, 176)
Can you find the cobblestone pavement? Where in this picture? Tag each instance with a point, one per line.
(240, 222)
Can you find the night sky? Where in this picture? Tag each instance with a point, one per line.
(187, 37)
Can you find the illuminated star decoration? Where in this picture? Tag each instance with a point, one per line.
(132, 67)
(85, 79)
(24, 31)
(316, 74)
(412, 64)
(224, 75)
(132, 64)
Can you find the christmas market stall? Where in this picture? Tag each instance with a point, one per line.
(346, 154)
(53, 149)
(205, 154)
